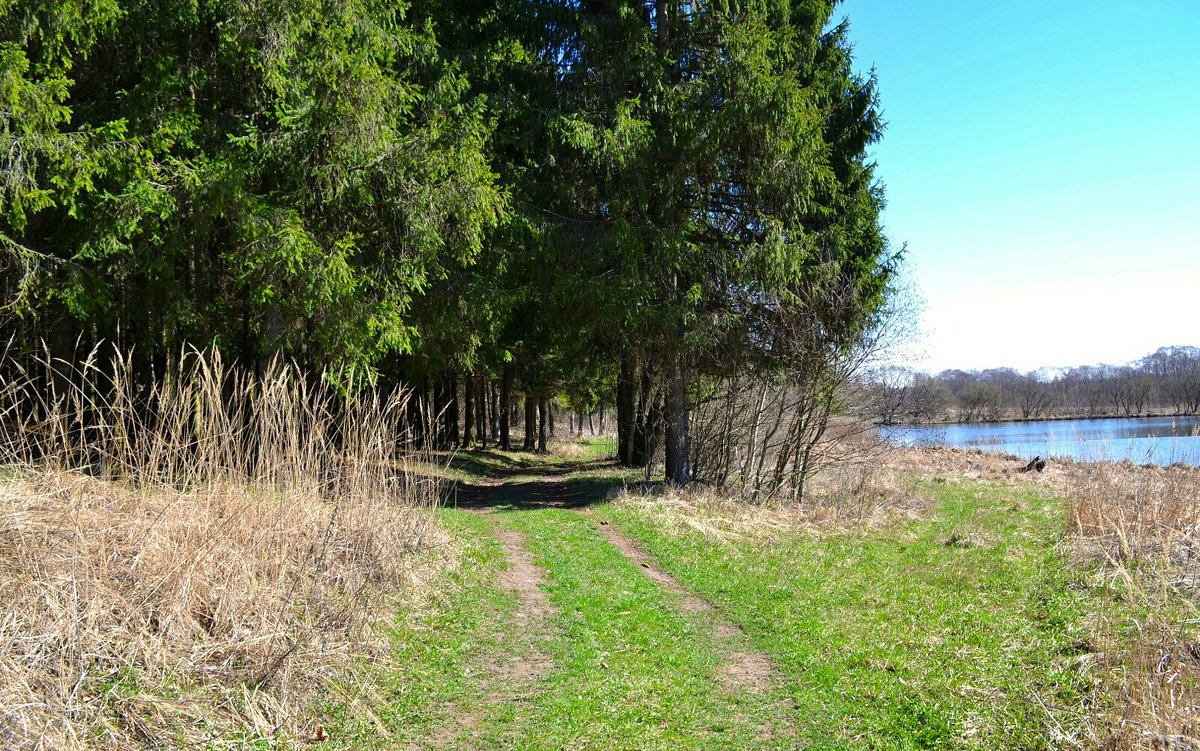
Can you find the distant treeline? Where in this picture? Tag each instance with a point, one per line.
(1166, 381)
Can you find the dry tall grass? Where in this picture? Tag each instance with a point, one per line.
(1141, 526)
(868, 489)
(189, 560)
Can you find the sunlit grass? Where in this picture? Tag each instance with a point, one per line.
(957, 630)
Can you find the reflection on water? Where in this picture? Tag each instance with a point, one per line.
(1145, 440)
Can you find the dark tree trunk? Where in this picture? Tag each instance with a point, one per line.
(677, 446)
(429, 416)
(494, 402)
(530, 424)
(548, 410)
(646, 421)
(544, 416)
(437, 409)
(451, 411)
(468, 411)
(60, 349)
(505, 407)
(627, 398)
(268, 348)
(662, 26)
(416, 417)
(481, 403)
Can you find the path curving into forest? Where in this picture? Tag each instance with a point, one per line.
(578, 581)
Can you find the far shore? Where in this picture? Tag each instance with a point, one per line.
(1045, 418)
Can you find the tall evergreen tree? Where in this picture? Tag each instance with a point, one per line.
(722, 148)
(269, 178)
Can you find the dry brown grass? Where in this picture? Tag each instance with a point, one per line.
(567, 448)
(192, 562)
(1138, 525)
(867, 492)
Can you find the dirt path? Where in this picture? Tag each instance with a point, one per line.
(510, 677)
(516, 677)
(746, 668)
(534, 611)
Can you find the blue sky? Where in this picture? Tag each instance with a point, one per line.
(1042, 162)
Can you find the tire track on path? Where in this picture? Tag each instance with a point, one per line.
(513, 676)
(746, 667)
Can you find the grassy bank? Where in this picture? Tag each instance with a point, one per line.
(959, 629)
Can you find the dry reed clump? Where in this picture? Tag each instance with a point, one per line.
(954, 465)
(191, 561)
(1139, 526)
(1124, 512)
(841, 497)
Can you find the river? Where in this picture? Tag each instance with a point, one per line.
(1144, 440)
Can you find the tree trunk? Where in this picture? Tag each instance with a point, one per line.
(439, 409)
(416, 416)
(662, 26)
(481, 403)
(627, 400)
(505, 407)
(544, 417)
(468, 411)
(530, 424)
(433, 423)
(494, 404)
(678, 443)
(451, 413)
(646, 421)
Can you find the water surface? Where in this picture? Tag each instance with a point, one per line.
(1144, 440)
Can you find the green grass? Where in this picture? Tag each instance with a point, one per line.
(433, 675)
(900, 638)
(630, 670)
(633, 671)
(956, 631)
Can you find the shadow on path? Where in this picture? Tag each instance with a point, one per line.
(542, 489)
(568, 494)
(499, 465)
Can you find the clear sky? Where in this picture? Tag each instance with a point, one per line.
(1042, 162)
